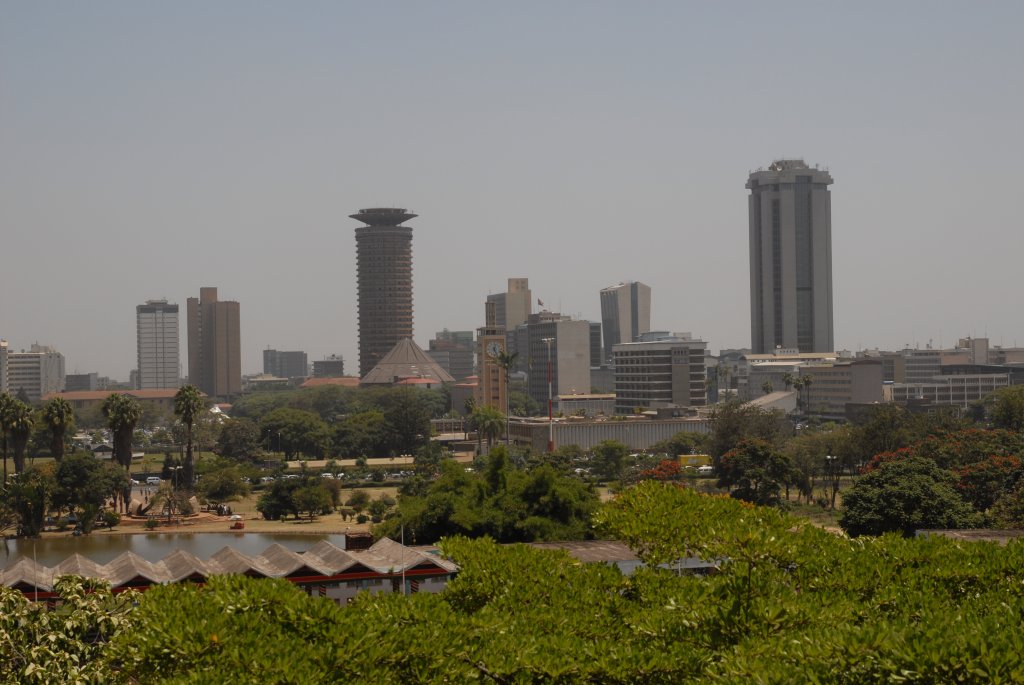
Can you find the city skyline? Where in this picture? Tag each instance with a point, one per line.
(578, 146)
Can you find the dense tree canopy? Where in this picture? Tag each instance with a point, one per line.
(905, 496)
(789, 602)
(754, 471)
(239, 439)
(733, 421)
(504, 503)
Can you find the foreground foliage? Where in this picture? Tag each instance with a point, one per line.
(503, 503)
(791, 603)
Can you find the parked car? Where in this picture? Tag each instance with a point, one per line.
(267, 479)
(327, 475)
(705, 470)
(153, 480)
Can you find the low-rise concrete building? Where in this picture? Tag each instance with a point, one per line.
(637, 433)
(959, 390)
(833, 386)
(668, 372)
(589, 404)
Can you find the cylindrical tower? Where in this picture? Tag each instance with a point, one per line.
(384, 281)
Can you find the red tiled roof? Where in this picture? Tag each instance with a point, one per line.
(155, 394)
(343, 381)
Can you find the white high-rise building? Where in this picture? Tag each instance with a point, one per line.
(38, 372)
(790, 258)
(3, 366)
(625, 314)
(159, 360)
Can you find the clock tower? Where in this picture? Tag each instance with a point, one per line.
(492, 390)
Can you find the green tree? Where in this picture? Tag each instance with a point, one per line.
(358, 500)
(239, 439)
(378, 508)
(31, 494)
(188, 405)
(1006, 408)
(59, 418)
(408, 412)
(489, 423)
(84, 484)
(905, 496)
(6, 406)
(122, 413)
(363, 433)
(296, 431)
(1008, 510)
(65, 643)
(496, 474)
(609, 459)
(279, 500)
(733, 421)
(19, 428)
(883, 428)
(312, 499)
(222, 482)
(754, 471)
(681, 443)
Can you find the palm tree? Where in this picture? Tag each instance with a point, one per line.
(188, 404)
(19, 426)
(808, 380)
(506, 361)
(798, 385)
(6, 402)
(58, 415)
(123, 413)
(489, 422)
(787, 379)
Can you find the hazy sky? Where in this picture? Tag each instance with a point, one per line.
(148, 149)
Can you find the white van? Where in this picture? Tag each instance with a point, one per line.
(705, 470)
(153, 480)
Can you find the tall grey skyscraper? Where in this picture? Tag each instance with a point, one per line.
(790, 258)
(156, 325)
(384, 282)
(214, 344)
(625, 314)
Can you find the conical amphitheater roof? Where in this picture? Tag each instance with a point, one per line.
(406, 360)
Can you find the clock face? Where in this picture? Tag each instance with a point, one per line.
(493, 349)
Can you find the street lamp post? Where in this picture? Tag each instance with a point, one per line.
(551, 405)
(170, 500)
(832, 481)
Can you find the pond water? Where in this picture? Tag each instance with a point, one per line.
(153, 546)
